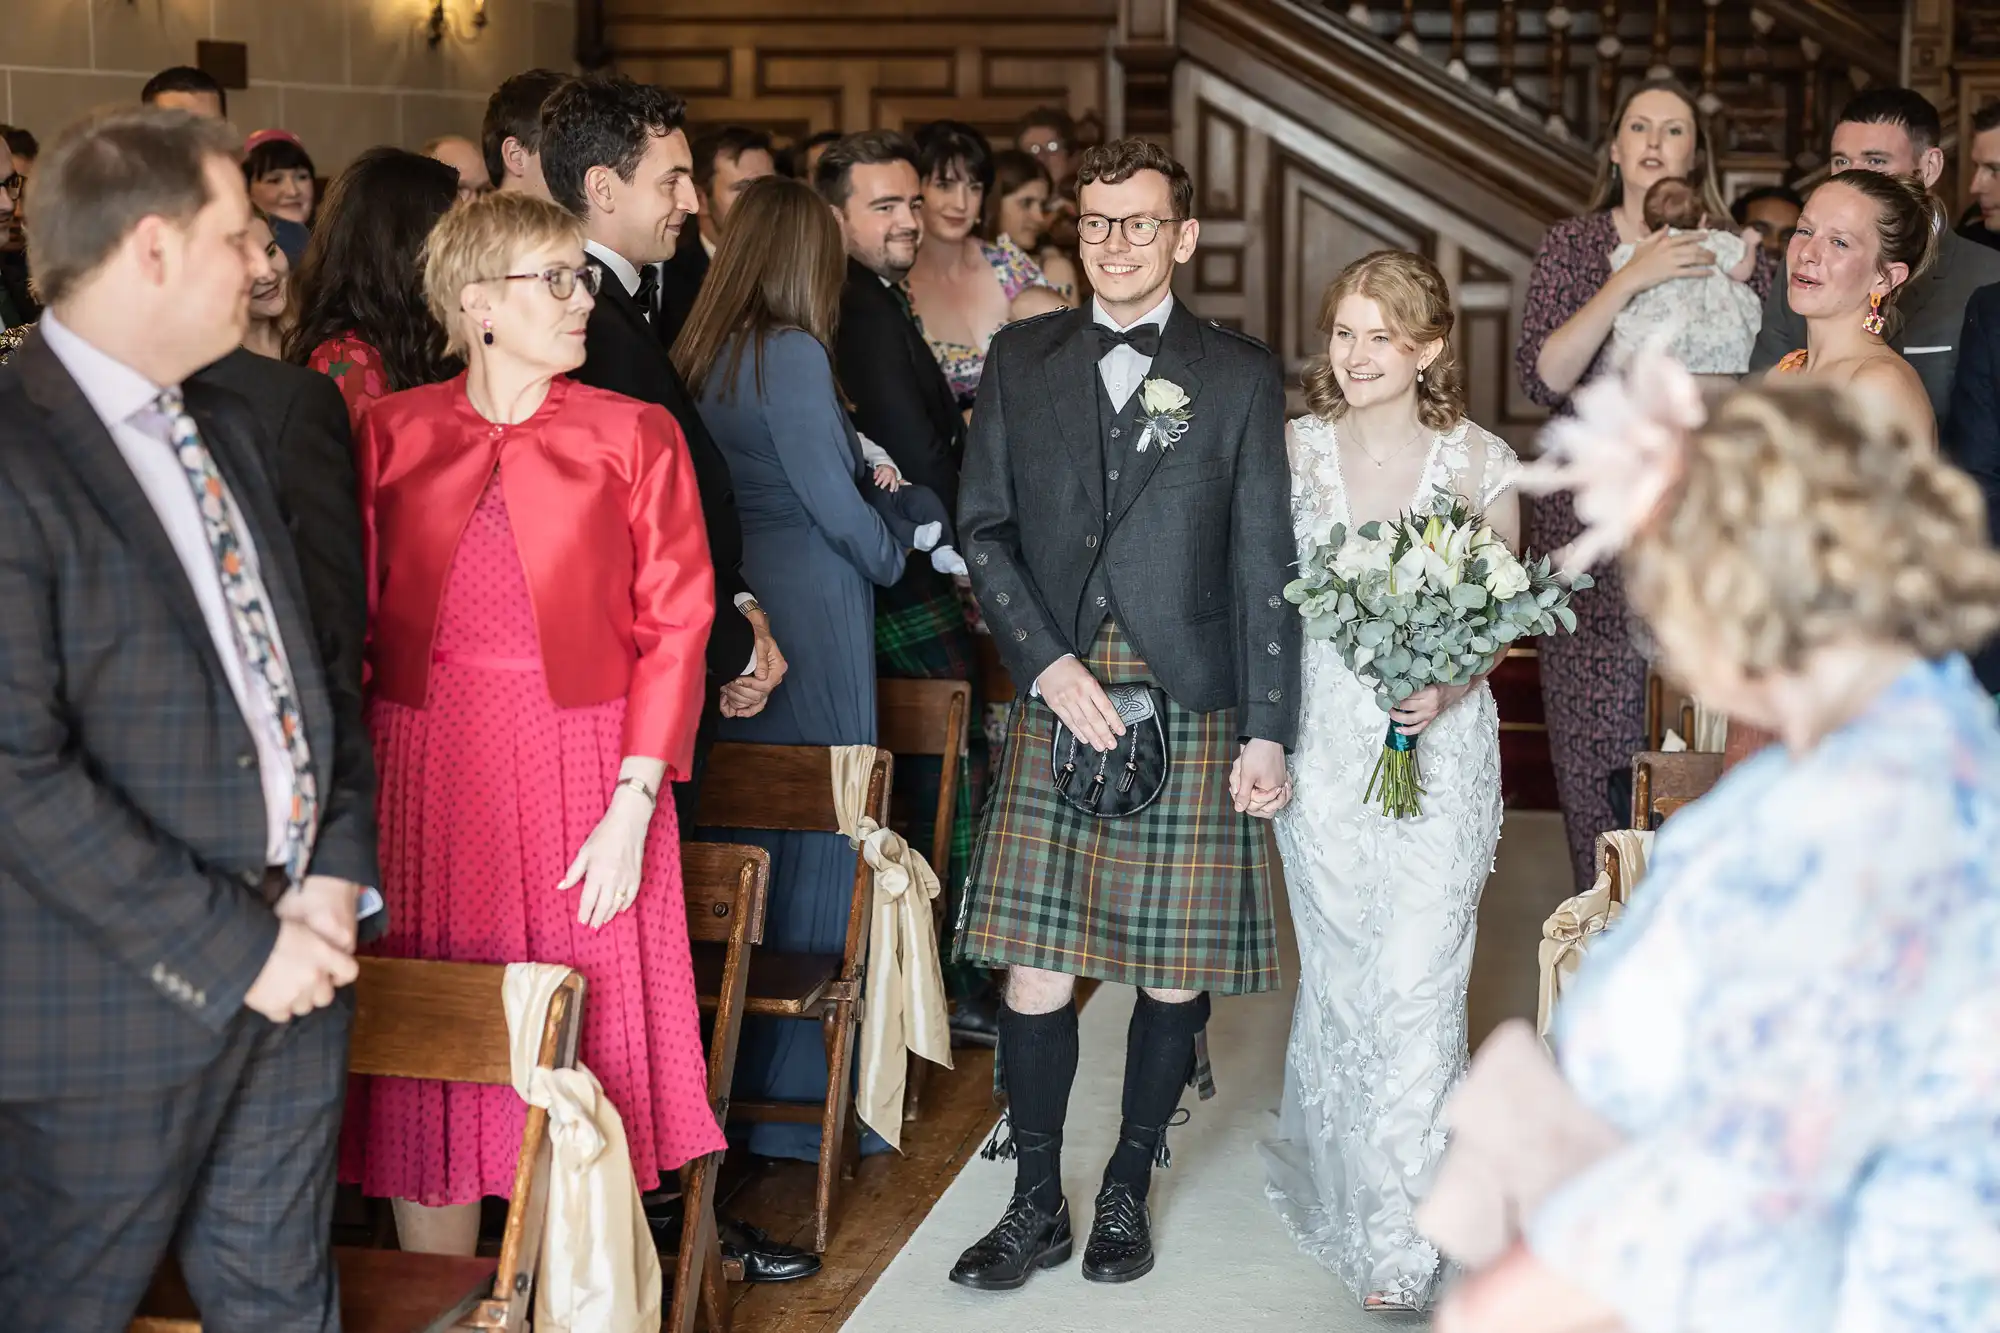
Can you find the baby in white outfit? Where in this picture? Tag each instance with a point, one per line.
(1709, 322)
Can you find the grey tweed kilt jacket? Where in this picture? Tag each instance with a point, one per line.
(1195, 539)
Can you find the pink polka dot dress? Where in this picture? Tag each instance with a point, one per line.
(487, 793)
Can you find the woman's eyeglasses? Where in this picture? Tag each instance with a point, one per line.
(562, 280)
(1095, 228)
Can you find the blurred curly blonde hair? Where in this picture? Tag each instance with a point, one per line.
(1808, 516)
(1416, 305)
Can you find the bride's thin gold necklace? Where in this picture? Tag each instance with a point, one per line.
(1393, 454)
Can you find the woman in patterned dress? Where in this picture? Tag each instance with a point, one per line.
(539, 596)
(1383, 908)
(1792, 1028)
(362, 317)
(1594, 681)
(1018, 209)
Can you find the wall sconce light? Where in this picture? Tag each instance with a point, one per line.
(437, 20)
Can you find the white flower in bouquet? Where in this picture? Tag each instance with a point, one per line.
(1505, 576)
(1360, 555)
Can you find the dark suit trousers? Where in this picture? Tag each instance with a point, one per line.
(232, 1170)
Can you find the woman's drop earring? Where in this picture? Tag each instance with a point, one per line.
(1873, 322)
(1420, 374)
(489, 331)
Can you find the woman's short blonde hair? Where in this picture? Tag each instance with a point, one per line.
(1810, 516)
(1416, 303)
(477, 240)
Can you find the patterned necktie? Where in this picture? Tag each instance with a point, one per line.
(251, 619)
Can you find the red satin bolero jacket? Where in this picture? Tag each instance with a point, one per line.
(601, 494)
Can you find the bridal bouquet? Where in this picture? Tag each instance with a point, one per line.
(1432, 597)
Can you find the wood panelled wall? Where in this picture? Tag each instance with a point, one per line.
(799, 66)
(1287, 200)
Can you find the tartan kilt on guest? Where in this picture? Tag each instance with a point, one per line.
(1176, 897)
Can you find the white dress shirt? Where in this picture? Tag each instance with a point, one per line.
(621, 267)
(1123, 369)
(123, 400)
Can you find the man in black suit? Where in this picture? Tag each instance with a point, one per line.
(182, 848)
(725, 162)
(1971, 438)
(308, 452)
(510, 135)
(614, 153)
(1896, 130)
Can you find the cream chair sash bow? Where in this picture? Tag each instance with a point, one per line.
(598, 1271)
(1567, 932)
(903, 1011)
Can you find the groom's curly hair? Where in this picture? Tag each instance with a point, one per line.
(1416, 305)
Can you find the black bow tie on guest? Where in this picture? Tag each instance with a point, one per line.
(1141, 338)
(649, 289)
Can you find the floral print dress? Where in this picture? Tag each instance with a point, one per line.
(1593, 681)
(963, 363)
(1794, 1027)
(356, 368)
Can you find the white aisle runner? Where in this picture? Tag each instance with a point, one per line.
(1225, 1263)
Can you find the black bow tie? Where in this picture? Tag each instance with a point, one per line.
(1141, 338)
(649, 288)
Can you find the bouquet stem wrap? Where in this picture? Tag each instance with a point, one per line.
(1398, 775)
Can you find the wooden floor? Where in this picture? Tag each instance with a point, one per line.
(877, 1212)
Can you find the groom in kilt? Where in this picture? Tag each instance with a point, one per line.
(1125, 507)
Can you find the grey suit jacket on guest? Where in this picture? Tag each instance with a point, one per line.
(1198, 538)
(1933, 314)
(132, 818)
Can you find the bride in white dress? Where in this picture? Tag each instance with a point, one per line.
(1383, 908)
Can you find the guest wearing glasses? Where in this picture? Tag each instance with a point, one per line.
(16, 308)
(540, 595)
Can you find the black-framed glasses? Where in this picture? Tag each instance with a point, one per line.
(14, 185)
(562, 280)
(1095, 228)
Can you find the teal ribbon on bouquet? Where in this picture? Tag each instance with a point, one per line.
(1398, 776)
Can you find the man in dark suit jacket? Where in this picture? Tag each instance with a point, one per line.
(1896, 130)
(725, 162)
(607, 145)
(308, 451)
(1971, 438)
(182, 845)
(1126, 496)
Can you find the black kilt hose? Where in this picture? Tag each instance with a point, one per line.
(1175, 897)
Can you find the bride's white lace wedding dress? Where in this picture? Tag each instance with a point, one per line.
(1384, 912)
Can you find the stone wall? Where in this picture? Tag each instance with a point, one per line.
(343, 75)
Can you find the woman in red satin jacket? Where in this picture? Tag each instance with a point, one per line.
(539, 596)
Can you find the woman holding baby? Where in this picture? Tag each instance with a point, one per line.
(1594, 681)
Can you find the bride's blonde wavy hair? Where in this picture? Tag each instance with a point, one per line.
(1416, 304)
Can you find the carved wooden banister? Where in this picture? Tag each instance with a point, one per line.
(1767, 72)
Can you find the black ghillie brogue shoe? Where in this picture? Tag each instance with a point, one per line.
(1121, 1237)
(1007, 1256)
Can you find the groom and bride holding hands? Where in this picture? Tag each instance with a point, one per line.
(1136, 511)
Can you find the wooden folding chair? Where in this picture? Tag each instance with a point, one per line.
(789, 788)
(928, 717)
(725, 886)
(436, 1021)
(1662, 783)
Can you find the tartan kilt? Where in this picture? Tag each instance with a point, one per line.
(921, 631)
(1176, 897)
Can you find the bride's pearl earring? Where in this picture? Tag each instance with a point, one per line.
(1420, 375)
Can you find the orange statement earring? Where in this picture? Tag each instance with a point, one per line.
(1873, 321)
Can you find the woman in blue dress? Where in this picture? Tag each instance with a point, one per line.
(754, 354)
(1794, 1028)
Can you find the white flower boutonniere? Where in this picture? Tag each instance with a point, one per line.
(1165, 407)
